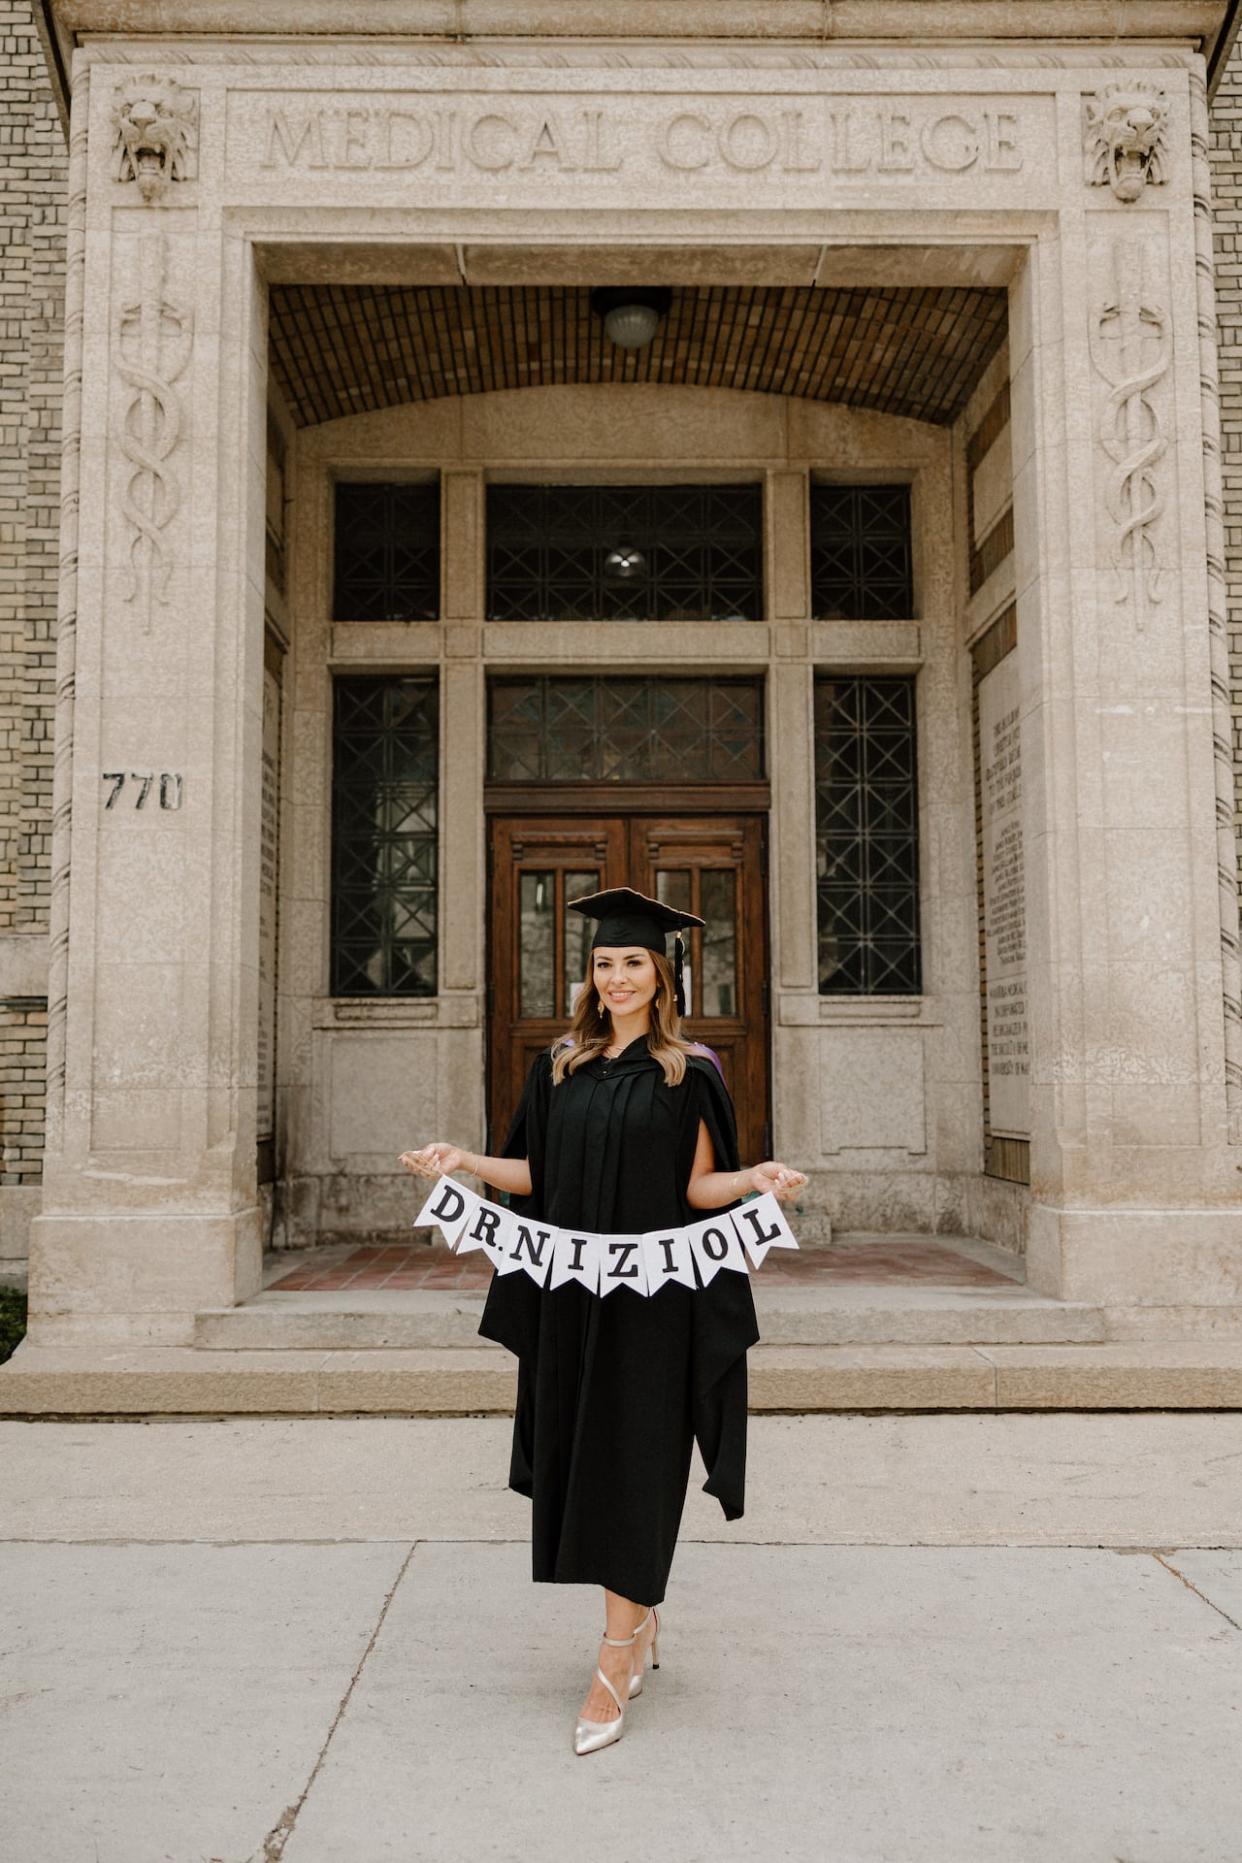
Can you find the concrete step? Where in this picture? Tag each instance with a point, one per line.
(824, 1314)
(1184, 1374)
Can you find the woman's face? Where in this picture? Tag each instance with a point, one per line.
(624, 978)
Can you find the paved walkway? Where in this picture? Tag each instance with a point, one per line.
(894, 1261)
(1016, 1639)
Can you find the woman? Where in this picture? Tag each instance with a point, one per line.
(623, 1127)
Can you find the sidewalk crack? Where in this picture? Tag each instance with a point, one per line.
(280, 1833)
(1191, 1586)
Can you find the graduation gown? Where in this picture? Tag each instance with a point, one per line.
(612, 1391)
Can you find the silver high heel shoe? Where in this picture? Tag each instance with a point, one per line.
(636, 1680)
(589, 1736)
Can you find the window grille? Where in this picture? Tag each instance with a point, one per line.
(866, 821)
(384, 814)
(387, 552)
(861, 557)
(625, 552)
(602, 729)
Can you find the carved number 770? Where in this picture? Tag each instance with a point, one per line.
(169, 780)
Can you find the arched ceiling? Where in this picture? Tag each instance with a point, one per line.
(352, 349)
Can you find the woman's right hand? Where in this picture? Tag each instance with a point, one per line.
(438, 1159)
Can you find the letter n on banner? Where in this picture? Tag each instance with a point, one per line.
(666, 1253)
(714, 1245)
(622, 1264)
(761, 1225)
(531, 1249)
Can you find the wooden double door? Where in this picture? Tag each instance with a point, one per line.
(539, 956)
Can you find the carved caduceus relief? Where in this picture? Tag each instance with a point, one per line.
(154, 334)
(1131, 348)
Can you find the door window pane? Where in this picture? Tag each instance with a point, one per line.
(675, 887)
(578, 934)
(716, 897)
(536, 947)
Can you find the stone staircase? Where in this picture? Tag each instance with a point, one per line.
(870, 1323)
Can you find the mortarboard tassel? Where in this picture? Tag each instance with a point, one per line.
(678, 989)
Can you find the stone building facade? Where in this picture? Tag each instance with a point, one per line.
(982, 275)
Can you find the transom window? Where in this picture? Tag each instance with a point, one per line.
(624, 552)
(385, 804)
(866, 837)
(861, 556)
(604, 729)
(387, 552)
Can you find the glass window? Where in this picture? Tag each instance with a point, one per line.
(384, 814)
(387, 552)
(625, 552)
(866, 820)
(600, 729)
(861, 559)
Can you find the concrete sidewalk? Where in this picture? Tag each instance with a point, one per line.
(932, 1640)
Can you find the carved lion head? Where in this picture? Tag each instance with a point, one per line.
(154, 120)
(1125, 138)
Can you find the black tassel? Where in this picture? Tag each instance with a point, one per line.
(679, 993)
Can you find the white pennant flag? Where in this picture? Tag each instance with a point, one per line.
(666, 1253)
(622, 1264)
(530, 1248)
(500, 1248)
(714, 1245)
(761, 1225)
(451, 1207)
(483, 1230)
(575, 1258)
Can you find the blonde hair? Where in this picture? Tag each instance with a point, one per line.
(591, 1030)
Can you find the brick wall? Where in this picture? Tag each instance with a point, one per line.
(32, 235)
(1226, 120)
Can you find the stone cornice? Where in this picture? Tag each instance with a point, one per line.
(1197, 22)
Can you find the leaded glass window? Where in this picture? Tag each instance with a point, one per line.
(605, 729)
(861, 558)
(866, 837)
(387, 554)
(384, 813)
(625, 552)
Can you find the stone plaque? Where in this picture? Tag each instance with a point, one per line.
(512, 145)
(1004, 901)
(269, 838)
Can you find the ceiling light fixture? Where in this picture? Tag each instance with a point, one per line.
(631, 313)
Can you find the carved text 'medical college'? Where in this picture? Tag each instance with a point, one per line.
(510, 136)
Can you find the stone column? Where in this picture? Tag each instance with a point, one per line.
(1134, 1185)
(149, 1207)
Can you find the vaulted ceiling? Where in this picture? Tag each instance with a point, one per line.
(349, 349)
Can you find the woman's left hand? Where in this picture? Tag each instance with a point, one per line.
(781, 1179)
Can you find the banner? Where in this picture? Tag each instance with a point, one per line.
(692, 1256)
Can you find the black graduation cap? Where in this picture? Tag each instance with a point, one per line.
(626, 917)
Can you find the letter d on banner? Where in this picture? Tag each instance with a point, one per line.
(450, 1207)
